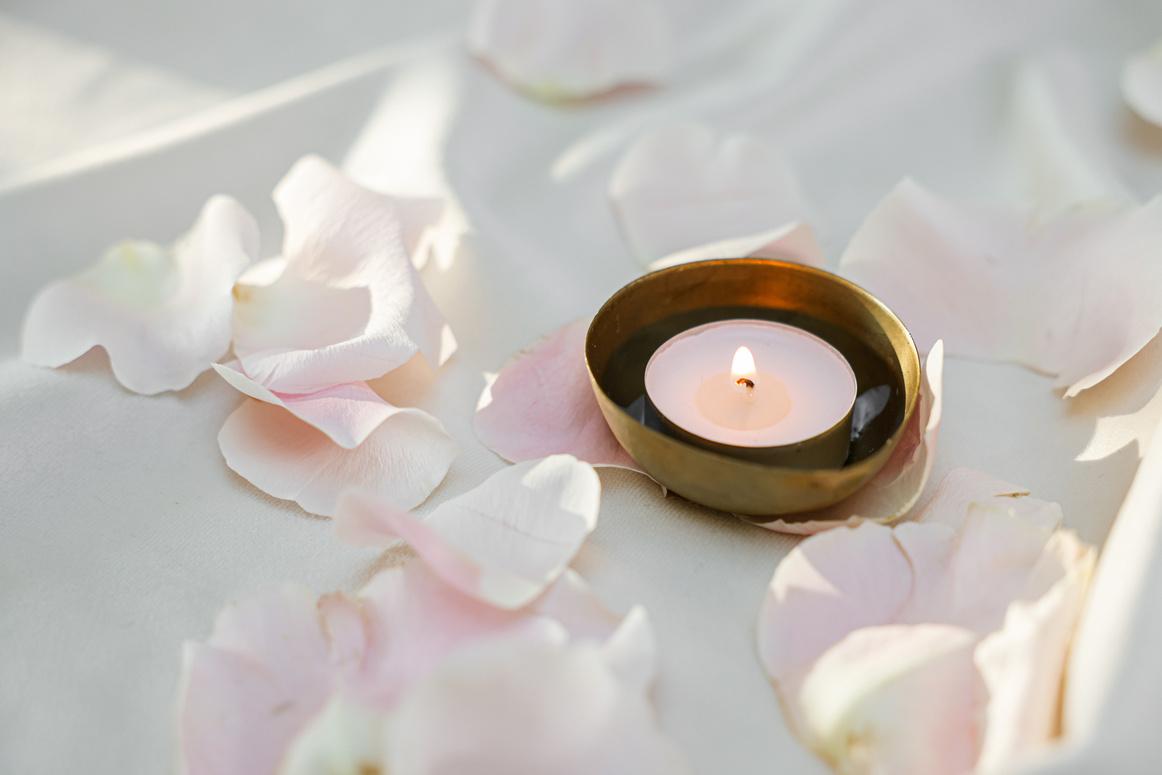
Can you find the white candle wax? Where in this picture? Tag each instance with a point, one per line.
(801, 385)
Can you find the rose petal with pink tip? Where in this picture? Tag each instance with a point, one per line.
(504, 541)
(678, 188)
(162, 314)
(346, 413)
(542, 404)
(349, 305)
(1074, 296)
(893, 491)
(402, 460)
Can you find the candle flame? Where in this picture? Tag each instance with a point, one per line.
(743, 365)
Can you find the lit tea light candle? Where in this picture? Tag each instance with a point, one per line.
(751, 383)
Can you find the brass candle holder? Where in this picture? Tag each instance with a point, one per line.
(643, 315)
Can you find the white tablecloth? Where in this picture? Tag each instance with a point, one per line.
(122, 531)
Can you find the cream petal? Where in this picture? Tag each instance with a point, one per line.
(893, 491)
(261, 274)
(162, 314)
(542, 404)
(347, 265)
(346, 413)
(677, 187)
(515, 707)
(1142, 84)
(270, 318)
(900, 699)
(829, 585)
(1072, 296)
(345, 738)
(1022, 663)
(421, 218)
(401, 461)
(266, 670)
(572, 49)
(793, 242)
(504, 541)
(970, 578)
(838, 625)
(961, 487)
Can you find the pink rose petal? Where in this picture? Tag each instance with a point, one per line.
(261, 676)
(844, 631)
(572, 49)
(1073, 296)
(504, 541)
(893, 491)
(346, 413)
(162, 314)
(349, 305)
(528, 708)
(1142, 84)
(401, 461)
(277, 655)
(678, 188)
(289, 683)
(439, 619)
(416, 620)
(542, 404)
(517, 705)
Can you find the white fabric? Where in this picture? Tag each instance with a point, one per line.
(122, 531)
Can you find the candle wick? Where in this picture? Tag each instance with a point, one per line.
(743, 382)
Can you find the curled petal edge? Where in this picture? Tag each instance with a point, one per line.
(503, 542)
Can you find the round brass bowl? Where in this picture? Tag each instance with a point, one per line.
(651, 309)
